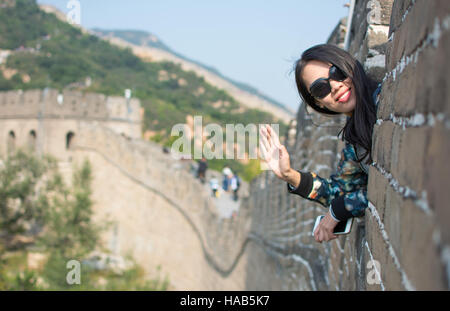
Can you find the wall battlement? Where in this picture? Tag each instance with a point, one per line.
(44, 119)
(49, 103)
(403, 241)
(145, 192)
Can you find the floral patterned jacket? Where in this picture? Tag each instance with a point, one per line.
(345, 192)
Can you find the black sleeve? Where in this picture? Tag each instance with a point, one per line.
(338, 209)
(305, 187)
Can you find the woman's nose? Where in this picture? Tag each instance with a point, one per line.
(335, 86)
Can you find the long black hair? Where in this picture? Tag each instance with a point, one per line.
(358, 128)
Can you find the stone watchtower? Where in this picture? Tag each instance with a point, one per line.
(47, 121)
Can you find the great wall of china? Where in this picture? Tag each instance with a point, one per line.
(163, 217)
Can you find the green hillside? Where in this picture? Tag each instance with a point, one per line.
(143, 38)
(47, 52)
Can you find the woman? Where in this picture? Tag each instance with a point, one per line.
(331, 82)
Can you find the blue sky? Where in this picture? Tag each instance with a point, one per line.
(251, 41)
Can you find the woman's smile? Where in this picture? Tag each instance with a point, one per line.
(344, 97)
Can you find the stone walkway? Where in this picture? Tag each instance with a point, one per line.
(224, 203)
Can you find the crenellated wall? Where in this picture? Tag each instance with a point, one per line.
(50, 103)
(163, 216)
(404, 236)
(408, 230)
(49, 106)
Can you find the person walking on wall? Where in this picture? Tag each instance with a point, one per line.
(214, 183)
(201, 172)
(332, 82)
(226, 172)
(235, 184)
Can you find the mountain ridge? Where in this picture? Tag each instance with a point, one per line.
(244, 97)
(155, 42)
(244, 94)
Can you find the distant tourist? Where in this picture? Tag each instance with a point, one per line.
(332, 82)
(214, 183)
(201, 171)
(226, 174)
(235, 184)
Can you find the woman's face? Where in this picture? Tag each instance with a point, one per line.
(342, 97)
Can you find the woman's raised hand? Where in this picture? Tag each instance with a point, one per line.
(273, 153)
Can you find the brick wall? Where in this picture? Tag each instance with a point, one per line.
(162, 215)
(51, 115)
(408, 227)
(116, 111)
(404, 236)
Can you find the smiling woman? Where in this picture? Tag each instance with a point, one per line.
(359, 106)
(331, 82)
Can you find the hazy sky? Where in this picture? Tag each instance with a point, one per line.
(251, 41)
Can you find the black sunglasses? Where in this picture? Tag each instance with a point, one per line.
(321, 87)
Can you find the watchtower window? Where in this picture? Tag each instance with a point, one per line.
(32, 140)
(11, 142)
(69, 140)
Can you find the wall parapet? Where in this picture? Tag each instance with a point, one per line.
(403, 241)
(145, 164)
(50, 103)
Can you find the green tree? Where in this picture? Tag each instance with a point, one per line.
(34, 195)
(22, 200)
(68, 218)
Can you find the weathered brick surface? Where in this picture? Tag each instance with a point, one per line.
(391, 277)
(384, 111)
(433, 92)
(411, 93)
(338, 34)
(410, 232)
(398, 11)
(382, 143)
(411, 162)
(376, 189)
(369, 34)
(437, 178)
(419, 23)
(407, 226)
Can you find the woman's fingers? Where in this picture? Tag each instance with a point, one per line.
(266, 138)
(264, 142)
(316, 235)
(264, 152)
(323, 235)
(330, 236)
(273, 136)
